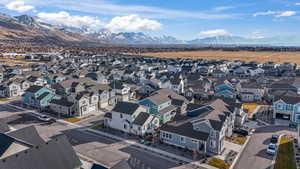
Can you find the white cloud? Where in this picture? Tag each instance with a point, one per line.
(19, 6)
(64, 18)
(286, 13)
(216, 32)
(132, 23)
(265, 13)
(276, 13)
(257, 35)
(297, 3)
(223, 8)
(104, 7)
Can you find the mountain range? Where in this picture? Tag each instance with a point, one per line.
(28, 29)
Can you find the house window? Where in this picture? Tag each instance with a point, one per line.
(182, 139)
(139, 128)
(121, 115)
(125, 126)
(213, 143)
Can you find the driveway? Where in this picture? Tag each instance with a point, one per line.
(254, 155)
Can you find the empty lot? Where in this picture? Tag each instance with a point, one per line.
(278, 57)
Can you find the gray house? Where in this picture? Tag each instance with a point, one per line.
(202, 129)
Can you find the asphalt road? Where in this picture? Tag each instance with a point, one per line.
(254, 155)
(96, 147)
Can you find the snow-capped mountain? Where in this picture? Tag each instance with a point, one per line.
(28, 29)
(237, 40)
(132, 37)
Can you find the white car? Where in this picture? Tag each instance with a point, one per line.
(271, 149)
(44, 118)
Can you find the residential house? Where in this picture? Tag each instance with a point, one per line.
(38, 96)
(287, 107)
(202, 130)
(13, 88)
(85, 103)
(160, 104)
(24, 148)
(122, 91)
(251, 92)
(224, 88)
(131, 118)
(62, 107)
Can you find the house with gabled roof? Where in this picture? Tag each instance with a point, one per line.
(160, 104)
(251, 91)
(38, 96)
(24, 148)
(131, 118)
(202, 129)
(287, 107)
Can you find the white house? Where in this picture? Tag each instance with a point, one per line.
(131, 118)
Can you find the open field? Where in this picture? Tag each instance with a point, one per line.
(262, 57)
(12, 62)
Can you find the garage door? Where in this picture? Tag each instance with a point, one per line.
(92, 108)
(104, 104)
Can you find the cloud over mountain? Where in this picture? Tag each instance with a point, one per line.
(64, 18)
(19, 6)
(132, 23)
(215, 32)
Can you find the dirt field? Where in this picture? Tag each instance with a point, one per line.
(262, 57)
(11, 62)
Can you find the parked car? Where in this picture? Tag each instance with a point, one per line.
(45, 118)
(274, 139)
(145, 142)
(242, 132)
(293, 125)
(271, 149)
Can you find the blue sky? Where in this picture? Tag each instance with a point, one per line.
(184, 19)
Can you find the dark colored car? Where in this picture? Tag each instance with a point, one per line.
(293, 125)
(274, 138)
(241, 132)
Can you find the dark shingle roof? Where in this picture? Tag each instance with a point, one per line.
(34, 89)
(141, 118)
(42, 96)
(186, 129)
(126, 107)
(28, 135)
(3, 126)
(216, 125)
(5, 143)
(57, 153)
(288, 99)
(62, 102)
(98, 166)
(177, 102)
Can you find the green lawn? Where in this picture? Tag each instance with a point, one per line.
(285, 156)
